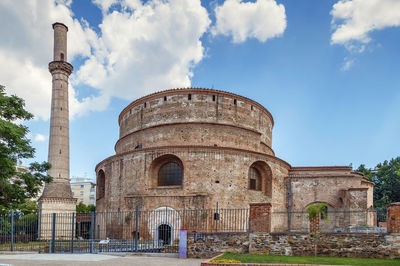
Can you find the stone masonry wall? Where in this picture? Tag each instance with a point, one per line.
(207, 245)
(203, 134)
(216, 175)
(330, 244)
(337, 186)
(174, 106)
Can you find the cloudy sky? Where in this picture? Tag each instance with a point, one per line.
(328, 71)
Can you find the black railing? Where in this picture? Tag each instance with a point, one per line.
(157, 230)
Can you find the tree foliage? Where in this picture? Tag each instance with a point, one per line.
(83, 208)
(17, 187)
(386, 177)
(316, 209)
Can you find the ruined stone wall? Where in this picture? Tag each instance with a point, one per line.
(330, 244)
(208, 245)
(330, 185)
(296, 244)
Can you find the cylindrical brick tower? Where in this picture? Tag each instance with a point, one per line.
(59, 189)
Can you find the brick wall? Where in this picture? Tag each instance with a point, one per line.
(393, 218)
(260, 217)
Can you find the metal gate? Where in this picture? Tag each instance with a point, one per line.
(127, 231)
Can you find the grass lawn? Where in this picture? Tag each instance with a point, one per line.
(247, 258)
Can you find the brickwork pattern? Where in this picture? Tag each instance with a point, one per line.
(393, 218)
(260, 217)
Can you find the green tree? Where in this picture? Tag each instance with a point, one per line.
(16, 187)
(83, 208)
(367, 172)
(314, 212)
(386, 177)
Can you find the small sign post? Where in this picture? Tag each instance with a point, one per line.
(183, 244)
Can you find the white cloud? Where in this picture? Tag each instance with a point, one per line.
(40, 137)
(354, 20)
(347, 64)
(263, 20)
(146, 47)
(141, 48)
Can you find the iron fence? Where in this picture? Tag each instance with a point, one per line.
(19, 232)
(158, 230)
(124, 231)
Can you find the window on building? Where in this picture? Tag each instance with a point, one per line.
(170, 174)
(82, 186)
(81, 193)
(101, 184)
(254, 179)
(81, 200)
(62, 56)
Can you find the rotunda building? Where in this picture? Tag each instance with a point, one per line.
(201, 148)
(192, 148)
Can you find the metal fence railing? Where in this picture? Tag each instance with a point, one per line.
(157, 230)
(336, 220)
(136, 230)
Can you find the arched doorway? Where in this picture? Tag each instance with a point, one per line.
(164, 234)
(158, 220)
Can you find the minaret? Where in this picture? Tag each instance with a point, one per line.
(57, 195)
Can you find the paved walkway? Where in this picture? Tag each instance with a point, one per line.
(93, 259)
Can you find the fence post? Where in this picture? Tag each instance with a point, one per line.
(91, 231)
(40, 226)
(12, 231)
(216, 218)
(72, 234)
(53, 234)
(136, 227)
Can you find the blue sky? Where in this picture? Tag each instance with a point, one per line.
(328, 71)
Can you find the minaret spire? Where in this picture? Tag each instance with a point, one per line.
(59, 189)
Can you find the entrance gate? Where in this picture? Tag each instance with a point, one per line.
(164, 234)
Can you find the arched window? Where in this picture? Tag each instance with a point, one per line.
(255, 179)
(166, 170)
(62, 56)
(101, 184)
(260, 178)
(170, 174)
